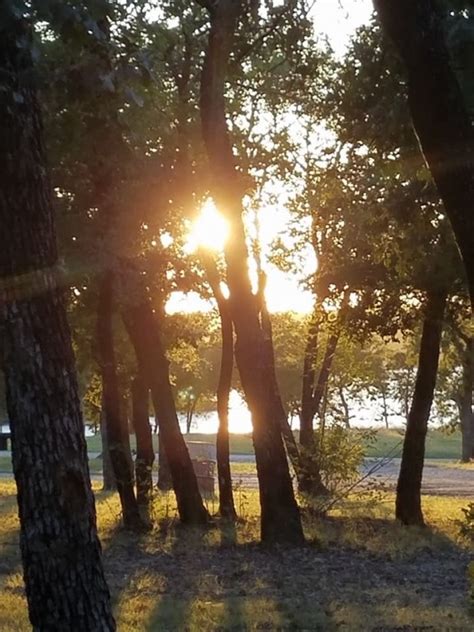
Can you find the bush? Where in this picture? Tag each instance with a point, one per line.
(466, 525)
(341, 452)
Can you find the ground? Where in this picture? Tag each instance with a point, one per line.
(359, 570)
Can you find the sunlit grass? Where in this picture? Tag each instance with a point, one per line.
(176, 578)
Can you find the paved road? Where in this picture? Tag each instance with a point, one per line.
(439, 479)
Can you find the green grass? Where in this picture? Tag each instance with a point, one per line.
(239, 444)
(219, 579)
(439, 445)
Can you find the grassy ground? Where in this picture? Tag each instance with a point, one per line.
(359, 571)
(439, 445)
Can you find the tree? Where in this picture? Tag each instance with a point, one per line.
(116, 430)
(408, 502)
(226, 497)
(439, 109)
(110, 187)
(65, 583)
(280, 519)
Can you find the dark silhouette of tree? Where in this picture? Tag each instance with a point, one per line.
(439, 110)
(408, 501)
(280, 519)
(64, 578)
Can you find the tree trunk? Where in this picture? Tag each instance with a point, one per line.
(280, 518)
(408, 502)
(108, 477)
(164, 475)
(61, 553)
(118, 439)
(279, 411)
(311, 481)
(466, 413)
(143, 330)
(145, 454)
(309, 375)
(226, 498)
(440, 114)
(345, 408)
(385, 408)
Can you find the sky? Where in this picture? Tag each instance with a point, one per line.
(337, 20)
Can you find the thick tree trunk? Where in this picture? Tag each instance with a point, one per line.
(466, 413)
(280, 518)
(145, 454)
(408, 502)
(142, 328)
(118, 439)
(439, 110)
(279, 410)
(108, 477)
(61, 553)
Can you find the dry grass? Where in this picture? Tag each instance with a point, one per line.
(360, 571)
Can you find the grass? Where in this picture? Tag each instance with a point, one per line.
(439, 445)
(239, 443)
(360, 570)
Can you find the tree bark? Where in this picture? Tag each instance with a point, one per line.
(345, 408)
(108, 477)
(308, 379)
(279, 412)
(61, 553)
(226, 498)
(408, 501)
(280, 518)
(440, 114)
(118, 439)
(312, 394)
(466, 413)
(165, 482)
(145, 454)
(143, 330)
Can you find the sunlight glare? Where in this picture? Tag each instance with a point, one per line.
(210, 230)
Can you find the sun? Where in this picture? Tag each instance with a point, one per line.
(209, 231)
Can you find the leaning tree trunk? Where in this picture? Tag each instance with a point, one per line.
(279, 410)
(61, 553)
(145, 454)
(280, 517)
(408, 501)
(142, 328)
(440, 114)
(118, 439)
